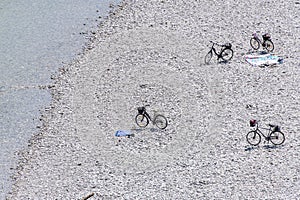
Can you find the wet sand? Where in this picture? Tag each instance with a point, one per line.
(36, 38)
(152, 52)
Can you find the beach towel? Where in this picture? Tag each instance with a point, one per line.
(263, 59)
(122, 133)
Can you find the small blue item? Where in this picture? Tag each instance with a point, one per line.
(121, 133)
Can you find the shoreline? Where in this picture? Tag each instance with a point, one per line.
(24, 154)
(144, 53)
(45, 41)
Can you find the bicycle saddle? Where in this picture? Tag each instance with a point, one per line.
(271, 125)
(215, 43)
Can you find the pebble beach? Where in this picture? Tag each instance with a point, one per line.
(152, 52)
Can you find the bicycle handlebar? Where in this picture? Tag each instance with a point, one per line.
(216, 43)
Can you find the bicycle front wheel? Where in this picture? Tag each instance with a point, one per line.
(141, 120)
(227, 54)
(269, 45)
(161, 122)
(277, 138)
(254, 43)
(253, 138)
(208, 57)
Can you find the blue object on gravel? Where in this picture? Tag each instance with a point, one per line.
(121, 133)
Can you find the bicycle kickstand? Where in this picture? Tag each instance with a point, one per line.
(267, 140)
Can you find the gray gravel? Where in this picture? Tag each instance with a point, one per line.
(152, 52)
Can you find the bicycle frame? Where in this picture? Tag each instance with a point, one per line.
(257, 130)
(147, 115)
(262, 42)
(216, 53)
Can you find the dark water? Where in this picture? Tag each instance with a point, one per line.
(36, 38)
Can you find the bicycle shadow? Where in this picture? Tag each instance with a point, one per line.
(218, 62)
(145, 129)
(251, 148)
(137, 129)
(223, 62)
(266, 146)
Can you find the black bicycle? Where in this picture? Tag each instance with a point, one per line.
(226, 53)
(267, 43)
(274, 134)
(142, 118)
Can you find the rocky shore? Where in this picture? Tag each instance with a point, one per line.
(152, 52)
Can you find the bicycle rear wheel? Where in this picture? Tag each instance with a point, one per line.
(254, 43)
(253, 138)
(141, 120)
(161, 122)
(269, 45)
(208, 57)
(277, 138)
(227, 54)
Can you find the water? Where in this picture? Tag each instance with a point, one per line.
(36, 38)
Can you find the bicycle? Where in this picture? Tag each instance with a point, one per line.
(226, 53)
(142, 118)
(267, 43)
(274, 134)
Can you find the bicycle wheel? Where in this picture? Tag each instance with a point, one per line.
(161, 122)
(277, 137)
(254, 43)
(227, 54)
(141, 120)
(269, 45)
(253, 138)
(208, 57)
